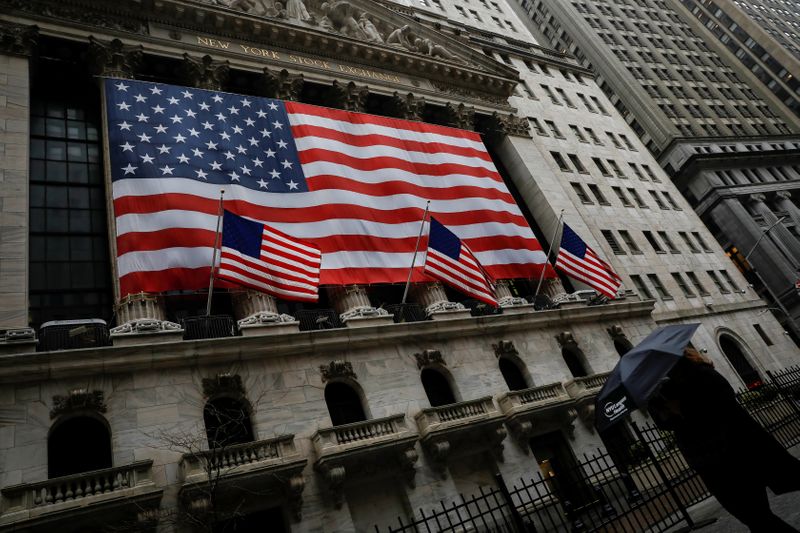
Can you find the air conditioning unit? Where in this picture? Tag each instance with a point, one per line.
(73, 334)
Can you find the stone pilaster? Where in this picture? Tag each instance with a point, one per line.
(257, 314)
(433, 298)
(778, 233)
(354, 308)
(281, 85)
(113, 58)
(205, 73)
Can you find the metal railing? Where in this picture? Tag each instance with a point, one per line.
(73, 334)
(208, 327)
(315, 319)
(409, 312)
(478, 308)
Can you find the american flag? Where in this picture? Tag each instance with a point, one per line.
(580, 262)
(451, 261)
(263, 258)
(353, 184)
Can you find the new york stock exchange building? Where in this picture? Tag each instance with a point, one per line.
(125, 406)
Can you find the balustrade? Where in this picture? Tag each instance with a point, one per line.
(326, 440)
(237, 455)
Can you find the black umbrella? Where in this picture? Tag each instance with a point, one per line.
(639, 372)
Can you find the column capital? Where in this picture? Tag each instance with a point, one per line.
(460, 116)
(407, 106)
(757, 197)
(281, 85)
(499, 125)
(18, 40)
(349, 97)
(783, 195)
(205, 73)
(114, 58)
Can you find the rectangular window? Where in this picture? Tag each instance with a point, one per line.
(650, 174)
(659, 287)
(720, 287)
(622, 198)
(627, 238)
(638, 199)
(598, 105)
(559, 159)
(729, 280)
(554, 129)
(613, 139)
(637, 172)
(653, 242)
(549, 92)
(671, 201)
(576, 162)
(627, 142)
(698, 286)
(762, 334)
(617, 170)
(595, 190)
(601, 166)
(689, 242)
(576, 131)
(564, 97)
(580, 193)
(594, 137)
(701, 241)
(612, 242)
(537, 126)
(641, 287)
(586, 103)
(659, 202)
(668, 241)
(687, 291)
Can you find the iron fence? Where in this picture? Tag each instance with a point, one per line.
(408, 312)
(645, 485)
(209, 327)
(313, 319)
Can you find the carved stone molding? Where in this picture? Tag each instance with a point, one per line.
(113, 58)
(429, 358)
(757, 197)
(784, 195)
(468, 93)
(337, 369)
(334, 476)
(460, 116)
(497, 126)
(504, 348)
(78, 400)
(349, 97)
(18, 40)
(294, 494)
(282, 85)
(407, 107)
(205, 73)
(566, 339)
(223, 384)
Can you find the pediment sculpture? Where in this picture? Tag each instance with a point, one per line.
(346, 18)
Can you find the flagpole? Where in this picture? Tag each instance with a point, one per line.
(214, 254)
(549, 251)
(416, 249)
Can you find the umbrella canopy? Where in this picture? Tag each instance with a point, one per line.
(639, 372)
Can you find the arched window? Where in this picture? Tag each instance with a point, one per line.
(437, 388)
(622, 345)
(344, 404)
(514, 377)
(738, 360)
(78, 444)
(574, 360)
(227, 422)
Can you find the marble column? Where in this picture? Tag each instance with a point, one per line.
(257, 314)
(433, 298)
(354, 308)
(779, 234)
(510, 303)
(784, 202)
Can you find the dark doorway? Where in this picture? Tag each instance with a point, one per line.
(738, 360)
(437, 388)
(78, 444)
(344, 404)
(557, 464)
(512, 374)
(573, 358)
(267, 521)
(227, 422)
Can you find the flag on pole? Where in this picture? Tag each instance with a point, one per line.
(262, 258)
(450, 260)
(351, 183)
(578, 261)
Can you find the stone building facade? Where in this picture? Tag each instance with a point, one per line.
(130, 434)
(718, 132)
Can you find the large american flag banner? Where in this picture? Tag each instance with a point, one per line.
(578, 261)
(354, 184)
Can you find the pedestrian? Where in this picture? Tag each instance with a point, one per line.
(735, 457)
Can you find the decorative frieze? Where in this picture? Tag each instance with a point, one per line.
(205, 73)
(460, 116)
(497, 126)
(407, 107)
(16, 39)
(114, 58)
(78, 400)
(429, 358)
(349, 97)
(337, 370)
(281, 85)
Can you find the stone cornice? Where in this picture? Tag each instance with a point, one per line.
(185, 354)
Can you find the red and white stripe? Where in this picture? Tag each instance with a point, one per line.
(591, 270)
(464, 275)
(288, 268)
(369, 179)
